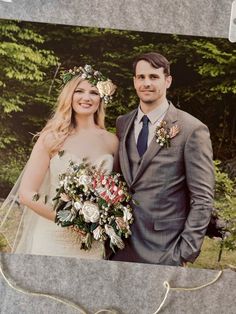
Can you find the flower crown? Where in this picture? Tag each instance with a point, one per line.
(104, 85)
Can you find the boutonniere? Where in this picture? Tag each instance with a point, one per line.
(164, 134)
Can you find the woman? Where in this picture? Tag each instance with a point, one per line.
(75, 131)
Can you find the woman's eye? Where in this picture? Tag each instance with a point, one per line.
(78, 91)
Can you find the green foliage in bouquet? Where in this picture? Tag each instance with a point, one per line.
(225, 206)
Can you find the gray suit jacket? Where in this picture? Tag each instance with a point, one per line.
(173, 188)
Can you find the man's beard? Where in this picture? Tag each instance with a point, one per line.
(148, 101)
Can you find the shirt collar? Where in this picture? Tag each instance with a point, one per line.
(155, 114)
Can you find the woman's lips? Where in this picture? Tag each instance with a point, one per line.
(85, 105)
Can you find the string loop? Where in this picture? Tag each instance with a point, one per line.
(82, 311)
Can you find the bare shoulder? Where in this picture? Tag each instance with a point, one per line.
(45, 141)
(111, 140)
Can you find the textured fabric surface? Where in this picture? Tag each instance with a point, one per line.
(128, 287)
(190, 17)
(132, 288)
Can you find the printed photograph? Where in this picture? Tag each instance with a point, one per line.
(117, 145)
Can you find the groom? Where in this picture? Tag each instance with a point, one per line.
(165, 156)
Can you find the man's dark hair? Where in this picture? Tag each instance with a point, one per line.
(155, 59)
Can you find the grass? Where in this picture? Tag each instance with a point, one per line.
(9, 227)
(3, 244)
(209, 256)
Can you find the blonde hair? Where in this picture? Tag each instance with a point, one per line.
(63, 121)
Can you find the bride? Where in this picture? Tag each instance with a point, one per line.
(75, 131)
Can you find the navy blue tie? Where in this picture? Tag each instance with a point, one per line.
(143, 137)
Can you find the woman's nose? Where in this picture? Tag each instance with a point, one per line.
(86, 96)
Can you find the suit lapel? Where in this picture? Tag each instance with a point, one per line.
(154, 148)
(124, 164)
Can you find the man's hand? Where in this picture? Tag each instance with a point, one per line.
(183, 263)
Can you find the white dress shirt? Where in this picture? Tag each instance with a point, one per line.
(155, 117)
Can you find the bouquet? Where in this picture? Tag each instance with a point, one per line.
(94, 205)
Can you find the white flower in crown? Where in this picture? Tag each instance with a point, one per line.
(104, 85)
(90, 211)
(106, 88)
(88, 68)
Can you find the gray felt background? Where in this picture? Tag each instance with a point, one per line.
(190, 17)
(130, 288)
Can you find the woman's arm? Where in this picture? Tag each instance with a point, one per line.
(33, 177)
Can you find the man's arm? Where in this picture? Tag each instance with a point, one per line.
(200, 182)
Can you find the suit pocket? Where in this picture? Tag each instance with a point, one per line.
(167, 231)
(169, 224)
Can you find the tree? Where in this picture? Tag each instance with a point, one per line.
(24, 95)
(225, 206)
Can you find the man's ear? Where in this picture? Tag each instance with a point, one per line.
(168, 81)
(134, 81)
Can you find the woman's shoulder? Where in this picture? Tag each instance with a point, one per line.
(46, 140)
(110, 136)
(111, 139)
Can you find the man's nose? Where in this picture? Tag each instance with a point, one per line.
(146, 82)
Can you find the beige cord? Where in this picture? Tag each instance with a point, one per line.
(78, 308)
(60, 300)
(168, 288)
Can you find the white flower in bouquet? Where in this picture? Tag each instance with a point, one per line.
(100, 190)
(85, 180)
(120, 192)
(65, 183)
(78, 205)
(115, 239)
(90, 211)
(97, 233)
(127, 214)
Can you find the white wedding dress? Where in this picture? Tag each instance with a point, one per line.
(41, 236)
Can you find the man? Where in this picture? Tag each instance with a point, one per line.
(165, 156)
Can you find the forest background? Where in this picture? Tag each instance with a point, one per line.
(33, 54)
